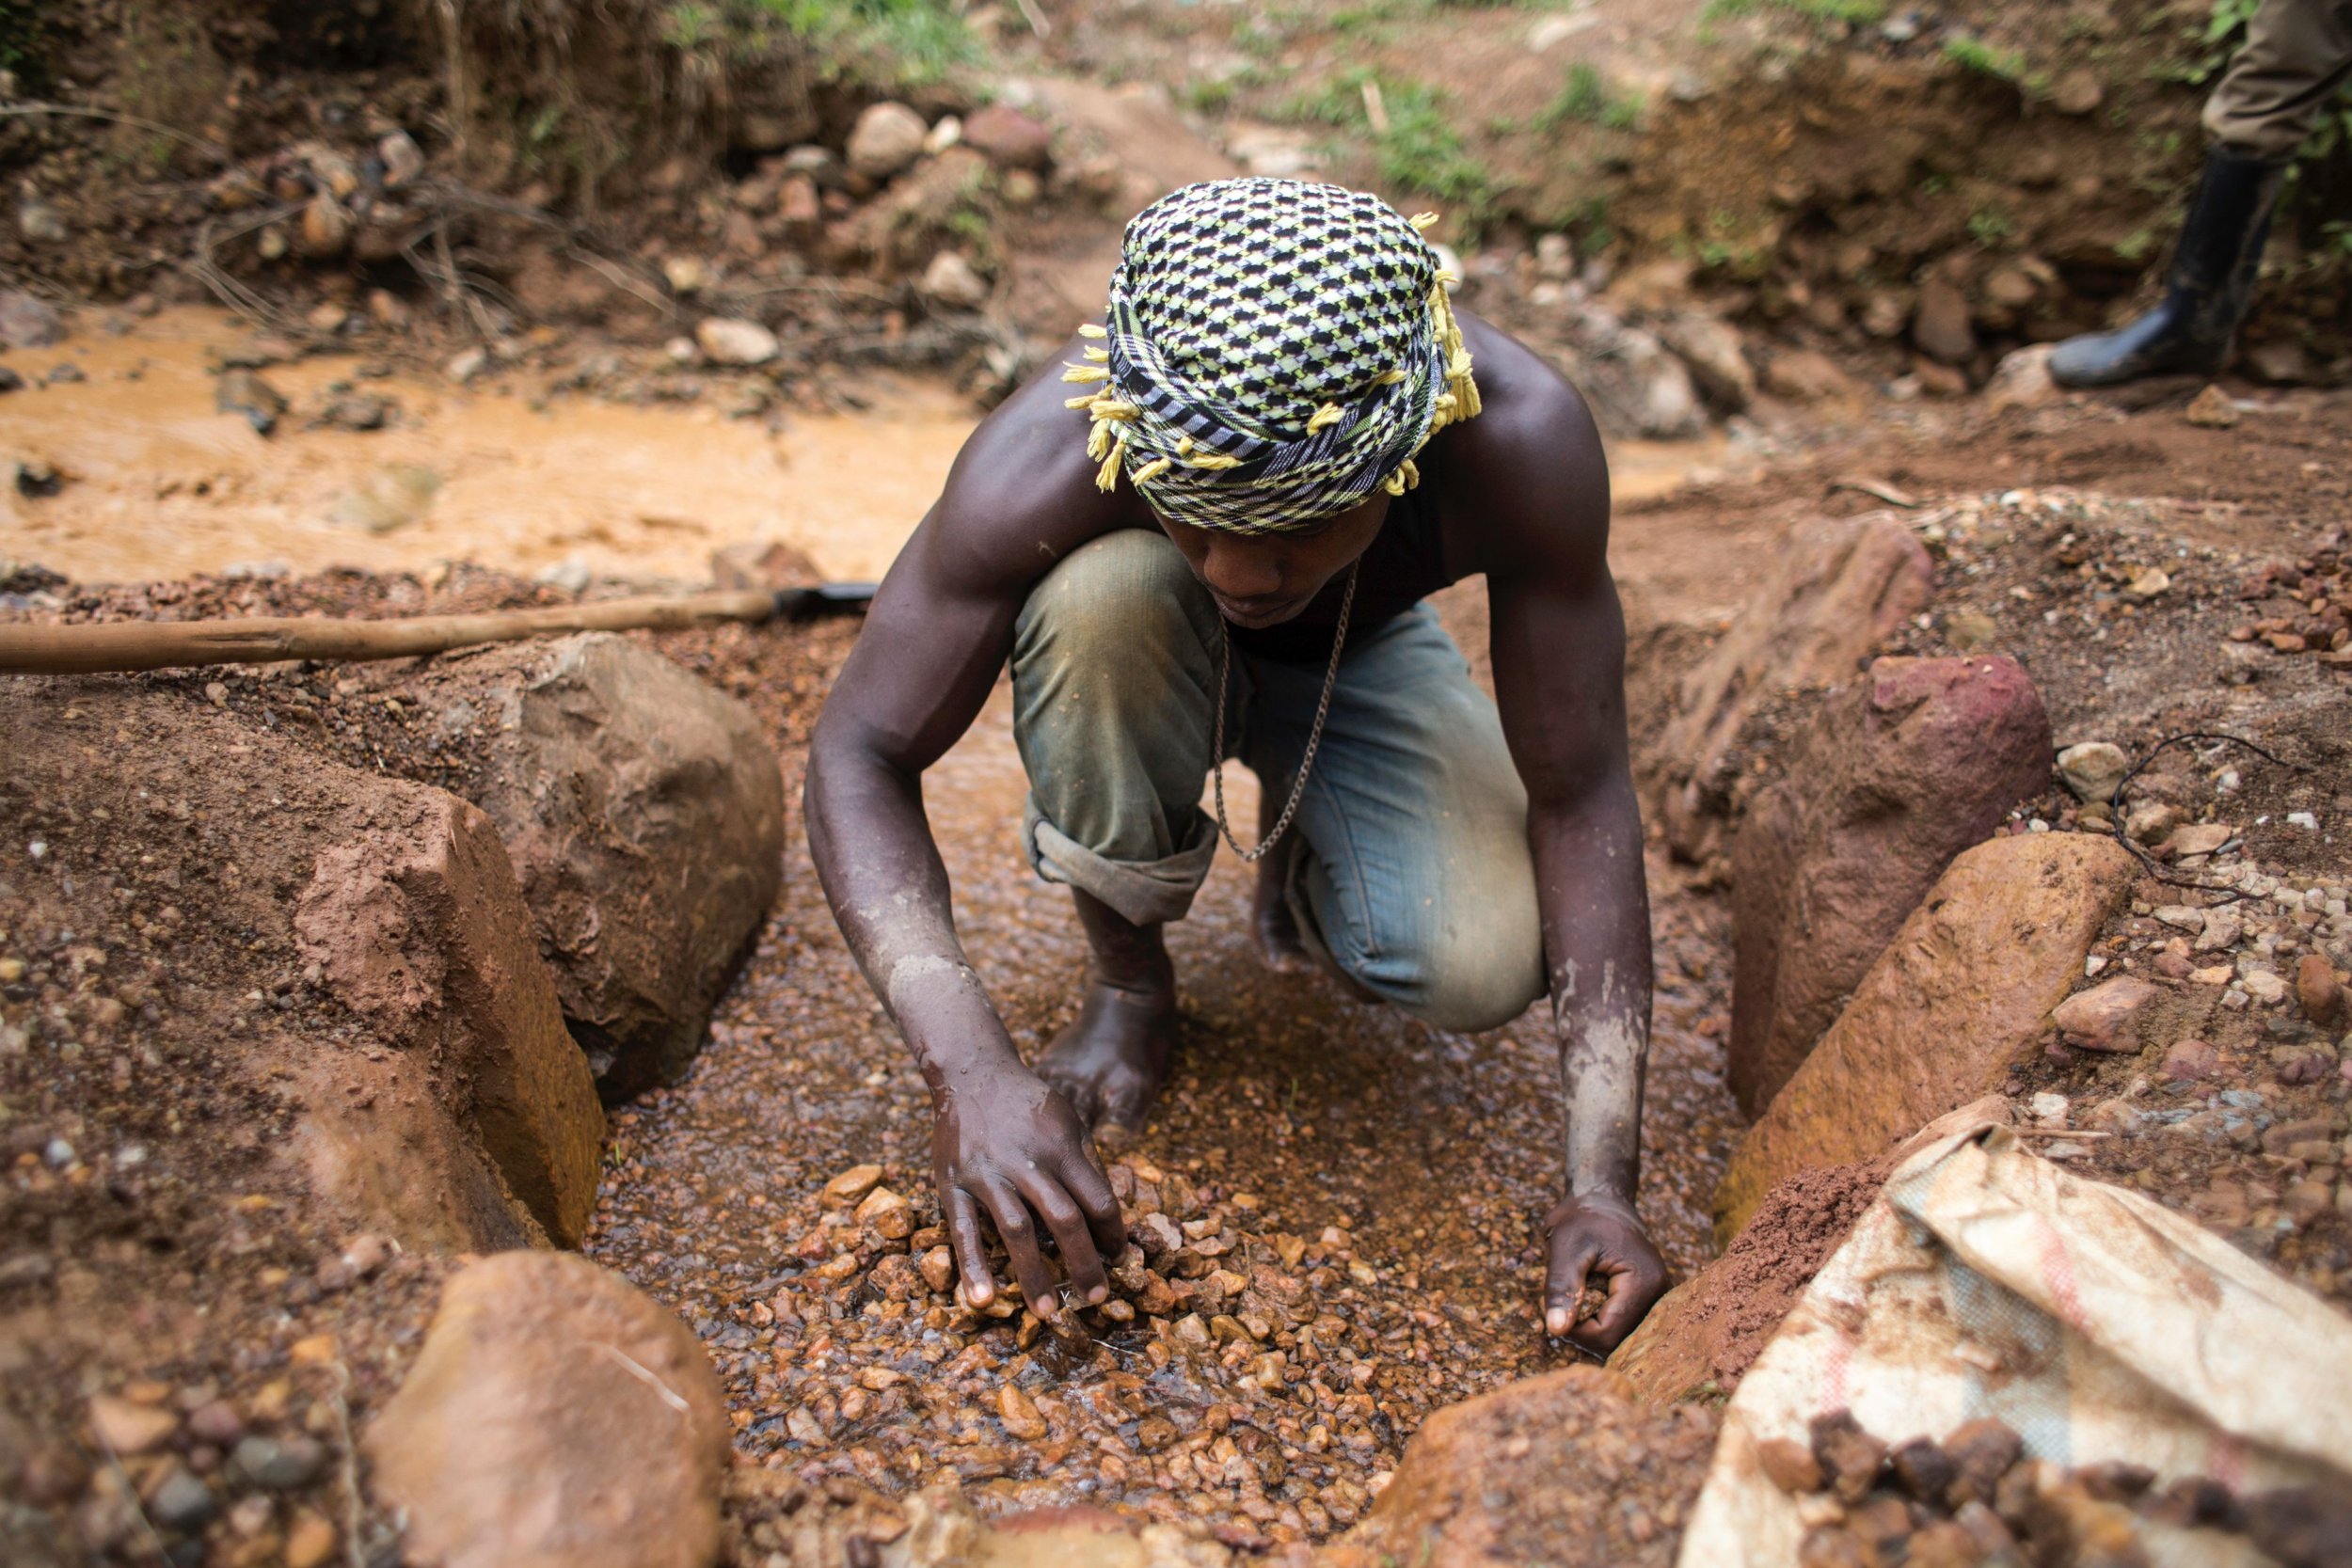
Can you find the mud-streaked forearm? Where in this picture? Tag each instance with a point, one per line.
(888, 888)
(1595, 901)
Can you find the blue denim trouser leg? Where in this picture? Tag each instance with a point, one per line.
(1409, 863)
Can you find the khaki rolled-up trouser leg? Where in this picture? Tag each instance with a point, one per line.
(2296, 52)
(1409, 862)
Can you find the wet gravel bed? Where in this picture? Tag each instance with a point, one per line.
(1333, 1208)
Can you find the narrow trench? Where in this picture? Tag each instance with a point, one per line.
(1380, 1182)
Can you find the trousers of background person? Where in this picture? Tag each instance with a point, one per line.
(2296, 53)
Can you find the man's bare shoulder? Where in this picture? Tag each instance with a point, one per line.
(1529, 471)
(1021, 493)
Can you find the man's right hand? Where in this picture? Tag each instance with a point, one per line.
(1004, 1144)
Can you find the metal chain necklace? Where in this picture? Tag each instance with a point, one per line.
(1315, 736)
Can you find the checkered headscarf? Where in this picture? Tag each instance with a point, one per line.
(1276, 352)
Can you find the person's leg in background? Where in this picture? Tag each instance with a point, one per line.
(1114, 681)
(2296, 53)
(1412, 875)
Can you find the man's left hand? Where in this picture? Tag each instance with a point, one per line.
(1596, 1238)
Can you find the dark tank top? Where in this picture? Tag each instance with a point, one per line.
(1404, 565)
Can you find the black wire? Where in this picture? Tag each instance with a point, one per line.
(2115, 811)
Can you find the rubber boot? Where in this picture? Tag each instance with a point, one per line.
(2210, 286)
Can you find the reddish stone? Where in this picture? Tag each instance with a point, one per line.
(2101, 1019)
(2318, 989)
(1008, 139)
(1895, 777)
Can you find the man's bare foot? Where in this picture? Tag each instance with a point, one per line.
(1110, 1064)
(1272, 925)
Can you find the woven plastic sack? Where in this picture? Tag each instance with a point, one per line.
(1985, 1280)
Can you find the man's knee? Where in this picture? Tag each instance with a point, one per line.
(1114, 602)
(1465, 962)
(1481, 975)
(1111, 686)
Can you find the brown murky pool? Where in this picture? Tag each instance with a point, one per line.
(158, 484)
(505, 472)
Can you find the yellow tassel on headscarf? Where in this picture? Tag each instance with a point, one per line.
(1461, 401)
(1106, 477)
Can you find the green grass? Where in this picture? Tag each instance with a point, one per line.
(1585, 98)
(903, 42)
(1990, 225)
(1985, 59)
(1852, 13)
(1420, 151)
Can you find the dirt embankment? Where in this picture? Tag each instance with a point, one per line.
(1699, 210)
(1911, 190)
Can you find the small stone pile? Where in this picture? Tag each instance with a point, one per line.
(2305, 603)
(1974, 1498)
(1232, 1368)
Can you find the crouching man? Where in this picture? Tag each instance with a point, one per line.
(1289, 398)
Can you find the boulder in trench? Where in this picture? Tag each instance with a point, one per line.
(416, 925)
(555, 1416)
(1564, 1469)
(1964, 988)
(1894, 775)
(644, 810)
(316, 940)
(1834, 595)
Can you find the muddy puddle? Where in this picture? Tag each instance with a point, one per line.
(507, 472)
(159, 484)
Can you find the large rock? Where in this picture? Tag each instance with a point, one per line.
(1896, 775)
(1565, 1468)
(2022, 379)
(555, 1418)
(725, 340)
(27, 322)
(417, 926)
(1717, 355)
(1962, 991)
(1942, 328)
(1008, 139)
(339, 958)
(644, 812)
(1834, 595)
(885, 139)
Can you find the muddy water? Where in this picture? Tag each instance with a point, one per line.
(160, 484)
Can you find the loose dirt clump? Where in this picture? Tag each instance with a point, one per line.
(1703, 1338)
(1564, 1469)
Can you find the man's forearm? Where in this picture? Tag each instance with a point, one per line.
(888, 889)
(1594, 900)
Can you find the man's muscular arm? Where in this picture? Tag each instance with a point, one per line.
(939, 631)
(1558, 644)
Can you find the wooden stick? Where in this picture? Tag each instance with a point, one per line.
(127, 645)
